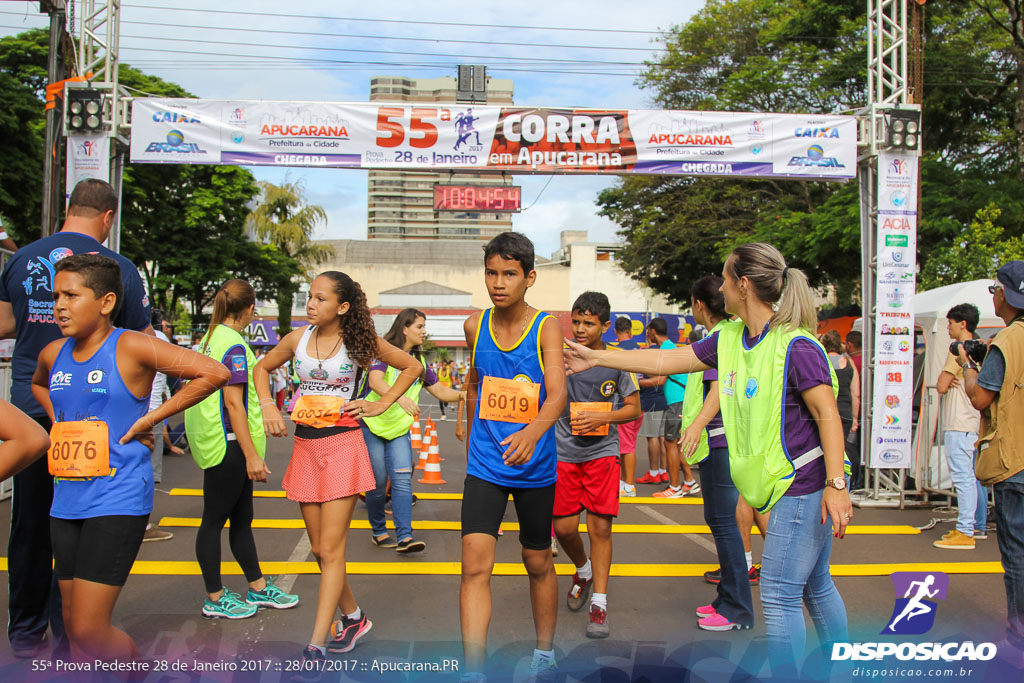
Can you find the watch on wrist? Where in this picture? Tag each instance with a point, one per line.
(839, 483)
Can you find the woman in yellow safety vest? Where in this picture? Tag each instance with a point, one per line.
(777, 392)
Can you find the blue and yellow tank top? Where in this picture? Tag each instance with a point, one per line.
(94, 390)
(521, 362)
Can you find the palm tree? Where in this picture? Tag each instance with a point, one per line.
(283, 218)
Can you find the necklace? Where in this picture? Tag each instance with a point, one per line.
(316, 348)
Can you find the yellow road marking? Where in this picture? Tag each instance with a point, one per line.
(458, 496)
(412, 567)
(431, 525)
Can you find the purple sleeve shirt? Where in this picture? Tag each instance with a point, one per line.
(234, 360)
(718, 440)
(808, 367)
(430, 377)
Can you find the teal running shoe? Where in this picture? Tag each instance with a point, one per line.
(271, 596)
(230, 606)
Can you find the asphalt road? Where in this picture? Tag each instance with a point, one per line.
(413, 600)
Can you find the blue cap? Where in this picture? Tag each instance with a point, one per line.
(1011, 277)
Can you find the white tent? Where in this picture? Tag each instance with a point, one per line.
(930, 316)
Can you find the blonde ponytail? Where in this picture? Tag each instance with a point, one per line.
(234, 297)
(796, 305)
(785, 289)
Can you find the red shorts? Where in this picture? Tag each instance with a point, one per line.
(592, 486)
(627, 435)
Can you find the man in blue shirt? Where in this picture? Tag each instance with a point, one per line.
(26, 313)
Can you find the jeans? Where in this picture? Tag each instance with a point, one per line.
(971, 497)
(795, 567)
(1010, 533)
(733, 600)
(390, 458)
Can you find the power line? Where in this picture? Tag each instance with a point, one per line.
(386, 52)
(396, 21)
(378, 37)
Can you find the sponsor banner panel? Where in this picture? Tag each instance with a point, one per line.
(88, 157)
(892, 433)
(488, 138)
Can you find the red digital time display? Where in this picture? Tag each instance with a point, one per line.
(482, 198)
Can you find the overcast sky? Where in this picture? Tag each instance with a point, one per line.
(330, 50)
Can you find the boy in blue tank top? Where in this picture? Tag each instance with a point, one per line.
(515, 393)
(95, 388)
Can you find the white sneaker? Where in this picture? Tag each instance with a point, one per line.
(627, 492)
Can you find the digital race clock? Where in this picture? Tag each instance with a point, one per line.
(482, 198)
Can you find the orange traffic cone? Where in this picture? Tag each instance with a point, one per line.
(428, 436)
(417, 442)
(433, 430)
(432, 470)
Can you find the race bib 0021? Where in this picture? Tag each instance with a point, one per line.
(79, 449)
(509, 400)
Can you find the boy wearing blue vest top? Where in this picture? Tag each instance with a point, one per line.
(588, 467)
(94, 385)
(515, 393)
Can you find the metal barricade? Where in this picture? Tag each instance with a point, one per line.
(7, 485)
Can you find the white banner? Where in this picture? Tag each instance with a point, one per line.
(892, 428)
(88, 157)
(509, 139)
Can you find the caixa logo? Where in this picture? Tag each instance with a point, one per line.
(175, 144)
(913, 613)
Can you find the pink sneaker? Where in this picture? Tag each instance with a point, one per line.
(705, 611)
(716, 622)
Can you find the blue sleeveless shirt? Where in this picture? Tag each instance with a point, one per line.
(522, 361)
(94, 390)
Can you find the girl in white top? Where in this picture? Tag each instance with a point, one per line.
(329, 464)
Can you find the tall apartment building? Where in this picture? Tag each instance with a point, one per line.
(401, 203)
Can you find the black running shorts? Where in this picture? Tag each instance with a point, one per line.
(484, 503)
(98, 549)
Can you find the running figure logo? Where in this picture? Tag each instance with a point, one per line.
(914, 613)
(464, 125)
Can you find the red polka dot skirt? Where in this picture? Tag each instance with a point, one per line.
(328, 468)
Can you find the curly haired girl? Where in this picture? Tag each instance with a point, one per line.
(329, 464)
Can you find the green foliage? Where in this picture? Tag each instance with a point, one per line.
(183, 226)
(810, 56)
(22, 132)
(976, 254)
(187, 236)
(283, 219)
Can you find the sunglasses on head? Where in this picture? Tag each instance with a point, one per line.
(992, 288)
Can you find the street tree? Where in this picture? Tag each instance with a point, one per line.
(285, 219)
(810, 57)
